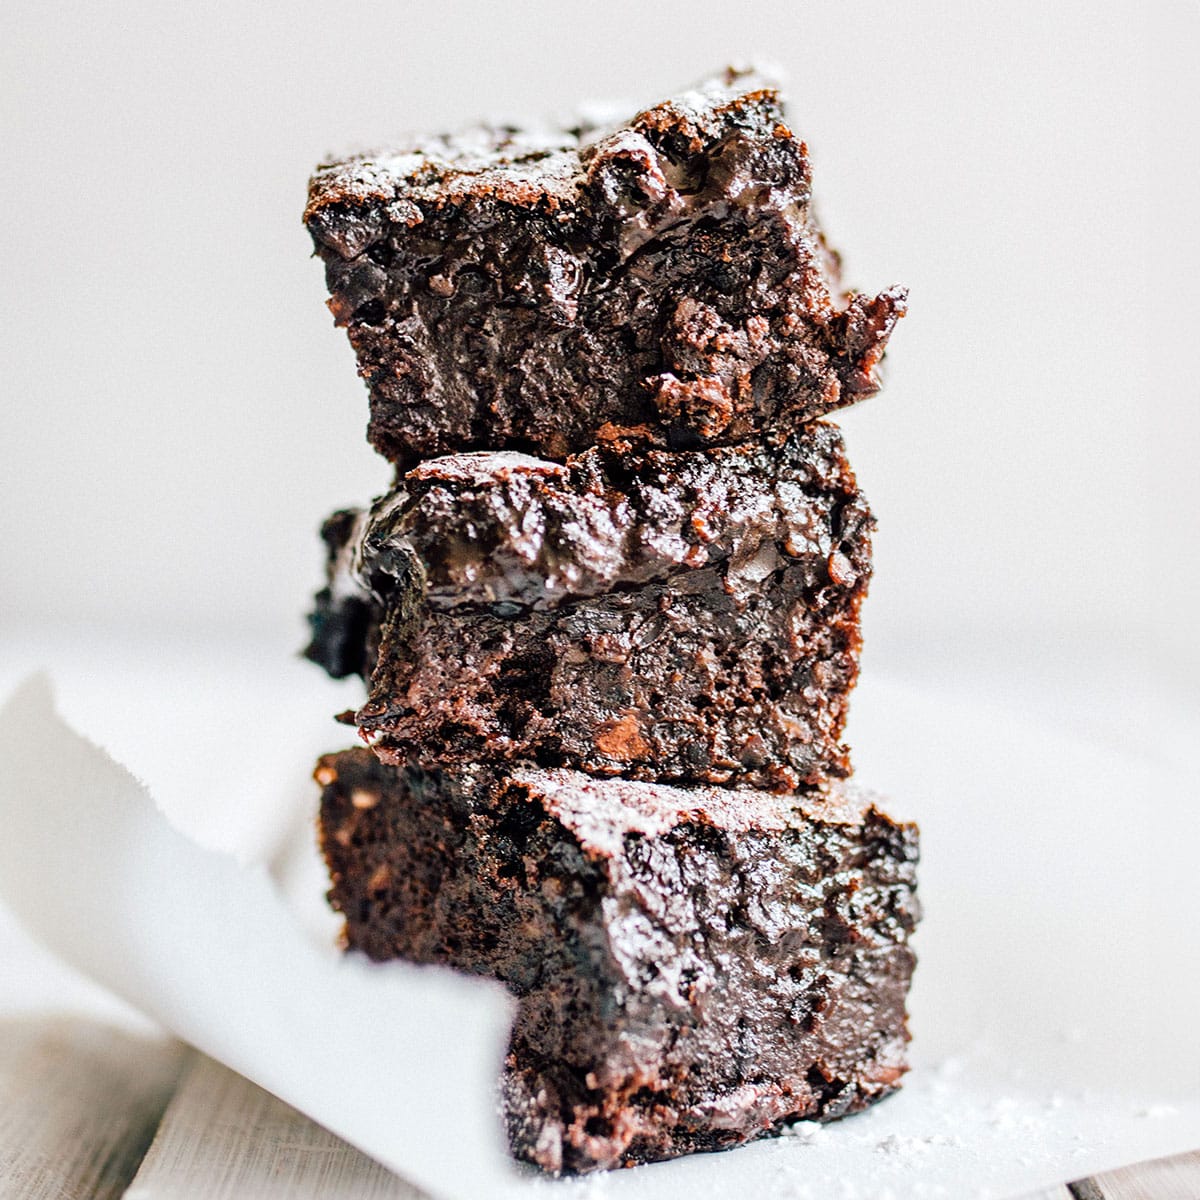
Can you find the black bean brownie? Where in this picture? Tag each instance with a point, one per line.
(695, 968)
(515, 290)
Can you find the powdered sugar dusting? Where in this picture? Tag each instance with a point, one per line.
(600, 811)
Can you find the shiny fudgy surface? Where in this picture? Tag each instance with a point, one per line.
(695, 968)
(670, 616)
(497, 528)
(513, 290)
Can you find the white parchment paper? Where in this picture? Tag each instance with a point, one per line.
(1054, 1011)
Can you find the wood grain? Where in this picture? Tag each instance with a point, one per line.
(1175, 1178)
(223, 1138)
(79, 1103)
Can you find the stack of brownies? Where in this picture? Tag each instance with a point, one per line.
(609, 621)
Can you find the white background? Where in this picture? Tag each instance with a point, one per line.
(179, 412)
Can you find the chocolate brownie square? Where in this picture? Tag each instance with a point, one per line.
(695, 967)
(666, 615)
(507, 289)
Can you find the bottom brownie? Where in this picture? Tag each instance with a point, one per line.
(695, 967)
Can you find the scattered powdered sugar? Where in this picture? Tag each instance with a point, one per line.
(1158, 1111)
(909, 1148)
(805, 1131)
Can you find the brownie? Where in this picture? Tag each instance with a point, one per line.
(676, 681)
(672, 616)
(509, 289)
(695, 968)
(504, 528)
(344, 617)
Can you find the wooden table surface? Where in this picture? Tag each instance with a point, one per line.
(87, 1111)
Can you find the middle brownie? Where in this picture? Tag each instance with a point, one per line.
(671, 616)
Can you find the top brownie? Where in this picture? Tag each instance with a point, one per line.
(510, 290)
